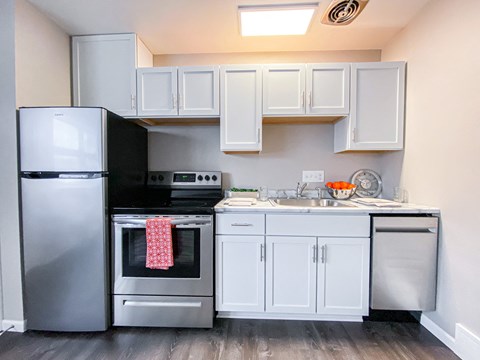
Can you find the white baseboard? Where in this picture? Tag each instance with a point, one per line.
(18, 325)
(465, 343)
(436, 330)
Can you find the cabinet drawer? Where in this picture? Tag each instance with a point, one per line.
(246, 224)
(318, 225)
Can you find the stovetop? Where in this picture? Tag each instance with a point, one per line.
(171, 193)
(168, 207)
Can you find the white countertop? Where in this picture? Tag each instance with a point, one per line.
(269, 207)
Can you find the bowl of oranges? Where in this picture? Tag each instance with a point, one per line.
(341, 190)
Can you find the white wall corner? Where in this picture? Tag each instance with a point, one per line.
(18, 325)
(465, 343)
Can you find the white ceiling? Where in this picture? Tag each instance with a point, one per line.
(211, 26)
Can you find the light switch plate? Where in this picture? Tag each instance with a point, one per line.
(313, 176)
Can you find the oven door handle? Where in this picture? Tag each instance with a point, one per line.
(174, 222)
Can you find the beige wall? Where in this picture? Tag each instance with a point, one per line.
(440, 164)
(9, 224)
(287, 150)
(267, 57)
(42, 59)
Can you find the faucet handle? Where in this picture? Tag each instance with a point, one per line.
(319, 189)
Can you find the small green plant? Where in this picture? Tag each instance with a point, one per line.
(243, 190)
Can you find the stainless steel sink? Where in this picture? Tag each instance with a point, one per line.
(310, 203)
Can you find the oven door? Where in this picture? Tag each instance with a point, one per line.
(192, 273)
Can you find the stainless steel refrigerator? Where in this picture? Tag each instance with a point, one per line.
(75, 164)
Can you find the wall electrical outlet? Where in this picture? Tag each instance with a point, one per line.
(313, 176)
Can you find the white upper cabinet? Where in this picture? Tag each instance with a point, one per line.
(376, 120)
(198, 91)
(104, 71)
(157, 91)
(328, 89)
(343, 276)
(241, 108)
(312, 89)
(183, 91)
(284, 89)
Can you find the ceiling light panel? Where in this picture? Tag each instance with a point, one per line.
(271, 20)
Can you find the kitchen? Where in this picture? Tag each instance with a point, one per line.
(439, 148)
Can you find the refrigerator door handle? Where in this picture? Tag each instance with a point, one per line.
(73, 176)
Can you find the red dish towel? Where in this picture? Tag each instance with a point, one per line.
(159, 243)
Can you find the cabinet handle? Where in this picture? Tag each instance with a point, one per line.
(324, 253)
(309, 98)
(303, 99)
(258, 136)
(314, 250)
(174, 102)
(354, 134)
(242, 224)
(262, 255)
(132, 98)
(180, 102)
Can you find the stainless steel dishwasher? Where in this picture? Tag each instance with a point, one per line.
(404, 263)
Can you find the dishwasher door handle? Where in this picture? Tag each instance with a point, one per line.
(411, 230)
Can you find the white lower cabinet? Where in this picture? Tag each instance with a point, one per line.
(343, 276)
(291, 274)
(293, 277)
(240, 273)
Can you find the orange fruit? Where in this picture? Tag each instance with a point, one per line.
(329, 184)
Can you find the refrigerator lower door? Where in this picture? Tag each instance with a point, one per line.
(63, 139)
(64, 247)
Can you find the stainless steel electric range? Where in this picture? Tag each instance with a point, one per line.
(181, 296)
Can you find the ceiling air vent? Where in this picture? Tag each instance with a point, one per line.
(343, 12)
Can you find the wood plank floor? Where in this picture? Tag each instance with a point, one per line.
(235, 339)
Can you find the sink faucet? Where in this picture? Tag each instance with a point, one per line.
(300, 189)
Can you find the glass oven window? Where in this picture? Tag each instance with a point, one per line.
(186, 254)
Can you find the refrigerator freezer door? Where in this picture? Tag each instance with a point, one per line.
(64, 246)
(63, 139)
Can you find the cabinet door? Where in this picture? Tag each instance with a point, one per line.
(240, 273)
(104, 72)
(157, 91)
(343, 276)
(284, 89)
(291, 274)
(328, 89)
(241, 108)
(377, 106)
(198, 91)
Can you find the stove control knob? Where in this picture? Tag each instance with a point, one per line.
(153, 178)
(214, 177)
(207, 177)
(161, 178)
(199, 177)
